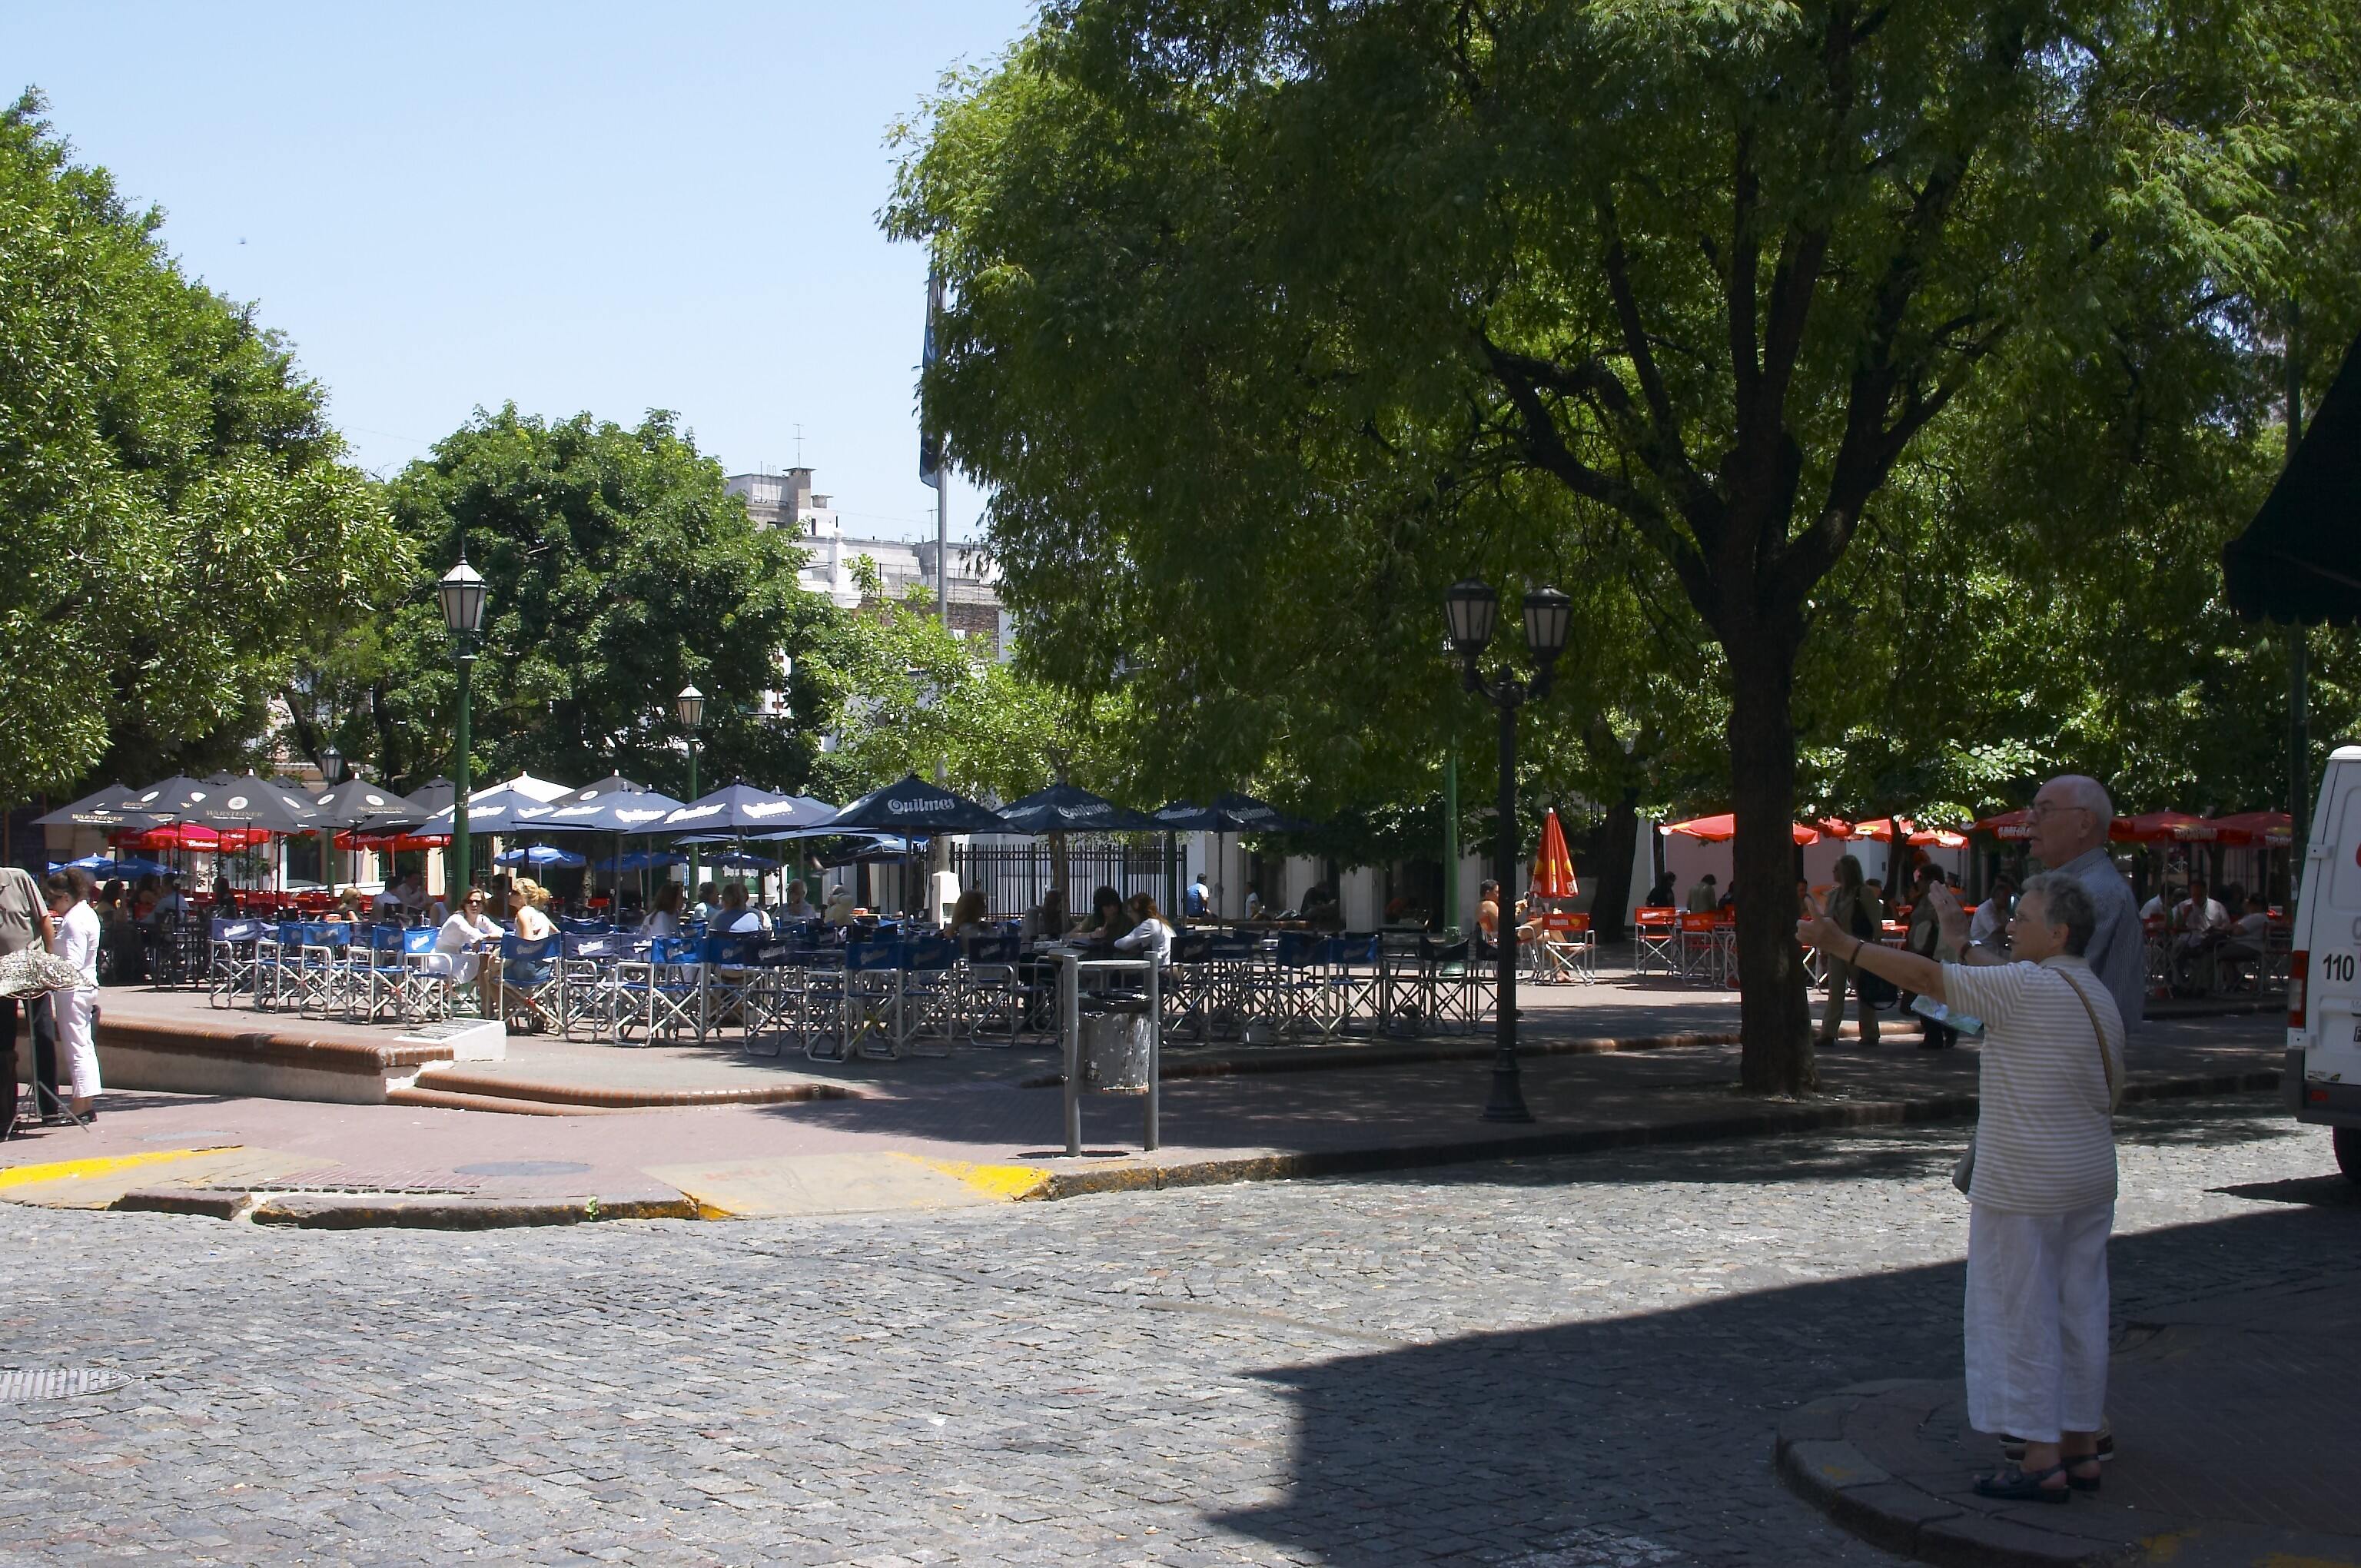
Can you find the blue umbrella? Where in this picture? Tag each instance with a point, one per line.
(915, 806)
(101, 867)
(641, 861)
(1068, 808)
(740, 810)
(539, 855)
(633, 813)
(737, 860)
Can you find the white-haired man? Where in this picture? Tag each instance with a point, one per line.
(2071, 817)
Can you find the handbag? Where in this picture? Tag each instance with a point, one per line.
(1879, 994)
(1963, 1172)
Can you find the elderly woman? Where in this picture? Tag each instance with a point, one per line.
(2041, 1191)
(841, 907)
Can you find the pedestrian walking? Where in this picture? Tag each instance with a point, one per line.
(76, 940)
(2041, 1178)
(1849, 908)
(25, 920)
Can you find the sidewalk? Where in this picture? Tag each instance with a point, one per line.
(759, 1136)
(2238, 1434)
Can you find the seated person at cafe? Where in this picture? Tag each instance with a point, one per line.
(708, 902)
(172, 904)
(347, 911)
(798, 908)
(972, 916)
(2199, 924)
(1046, 921)
(2249, 936)
(1150, 934)
(664, 919)
(1989, 929)
(1197, 904)
(460, 945)
(1254, 904)
(735, 918)
(388, 905)
(1705, 896)
(841, 907)
(1321, 910)
(1108, 919)
(1487, 916)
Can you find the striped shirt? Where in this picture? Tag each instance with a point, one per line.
(2045, 1133)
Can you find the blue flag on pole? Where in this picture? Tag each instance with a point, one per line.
(930, 447)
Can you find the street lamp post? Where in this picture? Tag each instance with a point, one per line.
(462, 592)
(332, 773)
(689, 707)
(1473, 607)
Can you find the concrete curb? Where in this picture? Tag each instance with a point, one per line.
(328, 1211)
(1863, 1457)
(1333, 1058)
(474, 1086)
(1740, 1124)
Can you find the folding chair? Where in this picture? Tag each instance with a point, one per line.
(587, 989)
(1354, 974)
(731, 975)
(531, 980)
(873, 998)
(1454, 986)
(1700, 947)
(1569, 950)
(931, 992)
(990, 988)
(658, 996)
(1656, 940)
(316, 977)
(231, 967)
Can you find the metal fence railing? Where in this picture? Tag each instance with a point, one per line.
(1013, 876)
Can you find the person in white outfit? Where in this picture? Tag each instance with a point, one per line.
(2041, 1189)
(76, 942)
(1151, 935)
(458, 945)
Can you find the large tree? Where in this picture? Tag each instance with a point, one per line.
(1305, 308)
(180, 517)
(619, 571)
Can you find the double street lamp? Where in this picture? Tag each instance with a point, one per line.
(689, 708)
(462, 592)
(1473, 609)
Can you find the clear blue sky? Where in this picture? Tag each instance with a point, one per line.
(589, 206)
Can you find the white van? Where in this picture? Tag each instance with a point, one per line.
(2324, 1062)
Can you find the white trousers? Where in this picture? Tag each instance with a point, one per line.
(77, 1012)
(2036, 1320)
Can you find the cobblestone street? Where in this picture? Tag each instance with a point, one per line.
(1565, 1363)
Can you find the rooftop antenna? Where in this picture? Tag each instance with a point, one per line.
(799, 447)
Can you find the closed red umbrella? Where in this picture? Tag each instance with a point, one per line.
(2273, 829)
(1553, 865)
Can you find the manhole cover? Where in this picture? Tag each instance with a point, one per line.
(20, 1384)
(524, 1168)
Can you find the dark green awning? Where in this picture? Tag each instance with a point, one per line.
(2299, 560)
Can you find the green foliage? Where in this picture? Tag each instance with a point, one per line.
(181, 517)
(905, 694)
(1272, 319)
(619, 571)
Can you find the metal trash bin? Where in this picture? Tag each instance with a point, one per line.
(1116, 1039)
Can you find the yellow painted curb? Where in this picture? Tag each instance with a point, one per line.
(1013, 1182)
(99, 1164)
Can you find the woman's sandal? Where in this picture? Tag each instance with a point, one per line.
(2084, 1483)
(2016, 1485)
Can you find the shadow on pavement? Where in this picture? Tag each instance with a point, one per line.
(1652, 1430)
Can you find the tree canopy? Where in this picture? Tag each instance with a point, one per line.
(181, 521)
(1271, 319)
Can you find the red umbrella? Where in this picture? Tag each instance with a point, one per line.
(1553, 865)
(1724, 828)
(2007, 825)
(2274, 829)
(2161, 828)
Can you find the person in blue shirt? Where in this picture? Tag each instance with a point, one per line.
(1198, 901)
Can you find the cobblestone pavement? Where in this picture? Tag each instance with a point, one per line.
(1566, 1364)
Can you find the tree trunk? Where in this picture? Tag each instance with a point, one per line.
(1610, 887)
(1774, 1015)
